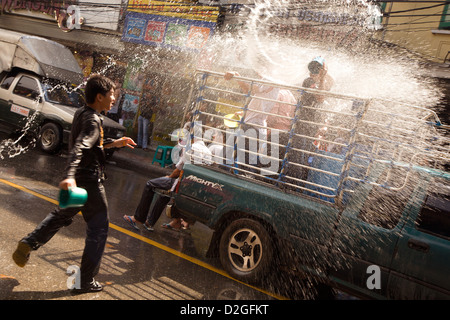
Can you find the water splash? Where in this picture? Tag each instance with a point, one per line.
(362, 66)
(365, 68)
(13, 147)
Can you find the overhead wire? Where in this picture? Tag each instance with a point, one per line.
(118, 6)
(395, 27)
(421, 8)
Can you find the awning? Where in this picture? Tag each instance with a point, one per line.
(40, 55)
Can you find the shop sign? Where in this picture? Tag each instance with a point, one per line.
(320, 17)
(176, 9)
(167, 31)
(46, 7)
(134, 79)
(341, 26)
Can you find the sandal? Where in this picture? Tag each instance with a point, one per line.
(131, 222)
(168, 226)
(148, 227)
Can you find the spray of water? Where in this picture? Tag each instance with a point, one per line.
(342, 32)
(360, 66)
(13, 147)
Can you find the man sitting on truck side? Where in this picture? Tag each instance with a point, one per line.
(142, 214)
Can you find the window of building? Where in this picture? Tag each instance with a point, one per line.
(445, 20)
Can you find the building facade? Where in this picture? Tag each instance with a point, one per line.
(420, 26)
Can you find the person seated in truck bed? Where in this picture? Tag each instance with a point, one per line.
(279, 127)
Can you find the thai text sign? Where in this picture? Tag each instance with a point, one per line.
(47, 7)
(340, 26)
(175, 9)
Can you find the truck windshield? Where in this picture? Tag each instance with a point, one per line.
(63, 94)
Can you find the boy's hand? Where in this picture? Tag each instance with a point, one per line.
(67, 183)
(125, 142)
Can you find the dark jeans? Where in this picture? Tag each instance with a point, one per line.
(246, 149)
(142, 211)
(95, 213)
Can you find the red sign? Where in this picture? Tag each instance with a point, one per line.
(197, 37)
(155, 31)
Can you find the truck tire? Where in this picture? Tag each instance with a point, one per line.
(246, 250)
(50, 138)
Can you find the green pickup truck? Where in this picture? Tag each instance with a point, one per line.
(367, 212)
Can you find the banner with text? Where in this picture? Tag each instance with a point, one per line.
(178, 9)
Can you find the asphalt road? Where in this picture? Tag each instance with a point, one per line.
(137, 265)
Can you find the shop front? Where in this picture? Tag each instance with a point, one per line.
(169, 38)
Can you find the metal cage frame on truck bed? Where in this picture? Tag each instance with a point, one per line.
(328, 148)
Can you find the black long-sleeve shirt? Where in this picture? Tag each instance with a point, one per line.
(87, 158)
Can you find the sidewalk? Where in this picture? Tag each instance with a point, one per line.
(141, 160)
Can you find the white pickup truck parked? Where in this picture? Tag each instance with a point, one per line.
(38, 94)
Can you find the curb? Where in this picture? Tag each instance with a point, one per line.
(139, 159)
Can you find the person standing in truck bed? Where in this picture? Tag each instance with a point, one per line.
(255, 117)
(318, 79)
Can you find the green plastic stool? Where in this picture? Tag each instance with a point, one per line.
(163, 155)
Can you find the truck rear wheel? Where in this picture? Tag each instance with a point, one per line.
(50, 138)
(246, 250)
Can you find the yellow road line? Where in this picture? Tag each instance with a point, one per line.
(29, 191)
(151, 242)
